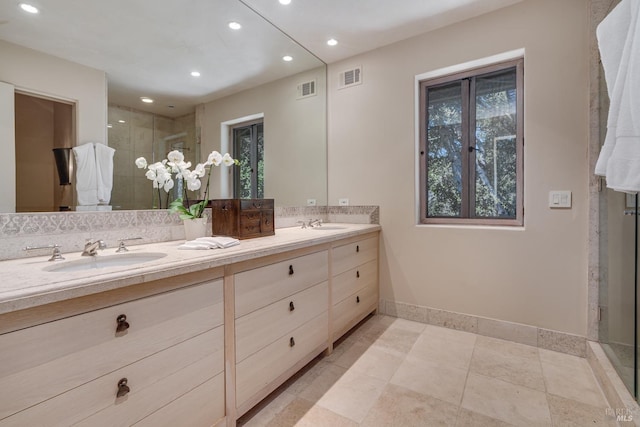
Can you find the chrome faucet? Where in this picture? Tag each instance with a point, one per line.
(316, 222)
(91, 248)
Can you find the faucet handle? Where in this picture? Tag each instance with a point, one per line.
(56, 254)
(122, 247)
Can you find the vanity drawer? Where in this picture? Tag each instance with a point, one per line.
(353, 309)
(261, 368)
(262, 286)
(43, 361)
(351, 255)
(345, 284)
(201, 407)
(260, 328)
(154, 381)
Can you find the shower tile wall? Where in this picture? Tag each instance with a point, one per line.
(142, 135)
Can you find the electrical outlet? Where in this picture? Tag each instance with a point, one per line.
(343, 202)
(311, 202)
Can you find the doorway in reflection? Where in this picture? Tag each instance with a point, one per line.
(41, 125)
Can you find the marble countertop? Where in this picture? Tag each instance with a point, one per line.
(27, 282)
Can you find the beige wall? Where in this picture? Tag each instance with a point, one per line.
(39, 74)
(294, 136)
(32, 71)
(535, 275)
(7, 133)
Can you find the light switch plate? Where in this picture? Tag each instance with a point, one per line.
(560, 199)
(343, 202)
(311, 202)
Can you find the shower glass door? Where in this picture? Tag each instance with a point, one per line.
(618, 284)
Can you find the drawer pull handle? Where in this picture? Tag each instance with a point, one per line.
(291, 270)
(123, 388)
(358, 274)
(123, 325)
(292, 342)
(357, 248)
(357, 299)
(291, 306)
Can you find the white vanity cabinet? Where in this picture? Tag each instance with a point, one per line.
(281, 323)
(144, 359)
(189, 344)
(354, 282)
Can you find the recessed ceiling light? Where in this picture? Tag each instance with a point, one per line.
(109, 125)
(146, 100)
(285, 2)
(332, 42)
(195, 74)
(287, 58)
(234, 25)
(121, 121)
(29, 8)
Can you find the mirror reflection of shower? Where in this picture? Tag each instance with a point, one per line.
(134, 133)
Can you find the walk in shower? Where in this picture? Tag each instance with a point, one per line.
(618, 284)
(136, 134)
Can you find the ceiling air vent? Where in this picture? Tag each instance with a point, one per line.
(306, 89)
(350, 78)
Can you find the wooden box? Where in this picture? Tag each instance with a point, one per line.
(242, 218)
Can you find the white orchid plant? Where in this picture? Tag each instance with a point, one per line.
(164, 174)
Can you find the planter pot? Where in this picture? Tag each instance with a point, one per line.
(194, 228)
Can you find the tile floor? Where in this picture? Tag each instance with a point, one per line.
(395, 372)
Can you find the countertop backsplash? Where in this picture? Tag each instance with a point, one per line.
(70, 230)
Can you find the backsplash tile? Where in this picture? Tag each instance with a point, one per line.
(71, 229)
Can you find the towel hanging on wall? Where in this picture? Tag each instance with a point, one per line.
(94, 173)
(619, 43)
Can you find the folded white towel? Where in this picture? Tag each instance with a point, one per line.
(104, 172)
(86, 177)
(216, 242)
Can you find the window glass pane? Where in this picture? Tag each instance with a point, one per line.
(260, 162)
(242, 152)
(495, 133)
(444, 151)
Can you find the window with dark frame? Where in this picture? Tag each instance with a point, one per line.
(248, 148)
(471, 147)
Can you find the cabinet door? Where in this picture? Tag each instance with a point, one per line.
(353, 309)
(260, 328)
(263, 367)
(43, 361)
(351, 255)
(262, 286)
(201, 407)
(345, 284)
(152, 382)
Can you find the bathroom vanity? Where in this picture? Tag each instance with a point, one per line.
(194, 338)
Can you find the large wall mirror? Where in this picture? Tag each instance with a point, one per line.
(248, 101)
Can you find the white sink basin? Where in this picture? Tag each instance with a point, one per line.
(104, 261)
(326, 227)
